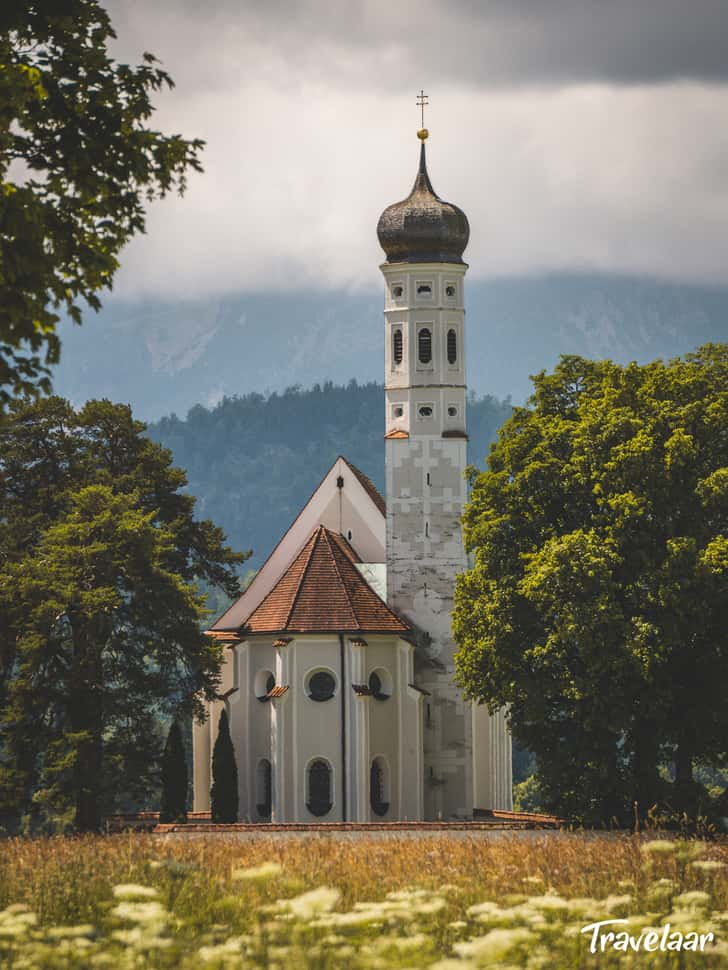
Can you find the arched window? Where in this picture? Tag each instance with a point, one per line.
(319, 788)
(378, 795)
(397, 346)
(424, 345)
(452, 346)
(380, 684)
(264, 788)
(264, 683)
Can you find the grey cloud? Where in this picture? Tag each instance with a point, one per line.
(378, 43)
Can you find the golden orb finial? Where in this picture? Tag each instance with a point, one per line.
(423, 134)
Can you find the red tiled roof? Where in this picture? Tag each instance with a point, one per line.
(397, 433)
(369, 487)
(322, 591)
(278, 691)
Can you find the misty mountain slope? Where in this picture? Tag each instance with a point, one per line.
(253, 461)
(167, 357)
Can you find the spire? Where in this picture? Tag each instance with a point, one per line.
(422, 181)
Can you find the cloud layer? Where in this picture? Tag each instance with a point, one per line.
(576, 135)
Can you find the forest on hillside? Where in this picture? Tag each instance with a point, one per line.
(253, 461)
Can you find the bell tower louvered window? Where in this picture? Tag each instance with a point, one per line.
(397, 346)
(452, 347)
(424, 345)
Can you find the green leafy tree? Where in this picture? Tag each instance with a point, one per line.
(78, 164)
(100, 610)
(597, 606)
(224, 791)
(174, 778)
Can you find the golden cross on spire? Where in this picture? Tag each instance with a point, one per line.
(422, 102)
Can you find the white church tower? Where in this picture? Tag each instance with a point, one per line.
(467, 757)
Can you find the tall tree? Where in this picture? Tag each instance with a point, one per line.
(100, 557)
(224, 791)
(174, 778)
(73, 126)
(597, 606)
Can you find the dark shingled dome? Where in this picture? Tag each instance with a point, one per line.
(422, 228)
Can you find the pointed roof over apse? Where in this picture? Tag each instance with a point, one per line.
(354, 506)
(423, 228)
(322, 591)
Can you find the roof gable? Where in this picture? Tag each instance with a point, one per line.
(357, 507)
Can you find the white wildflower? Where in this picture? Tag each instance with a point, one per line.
(151, 912)
(695, 899)
(494, 946)
(70, 932)
(707, 865)
(261, 873)
(617, 904)
(658, 847)
(310, 904)
(130, 890)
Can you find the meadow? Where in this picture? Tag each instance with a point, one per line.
(140, 901)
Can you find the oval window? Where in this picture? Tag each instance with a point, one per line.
(424, 345)
(452, 411)
(321, 686)
(450, 291)
(397, 292)
(425, 411)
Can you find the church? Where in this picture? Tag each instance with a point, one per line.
(338, 678)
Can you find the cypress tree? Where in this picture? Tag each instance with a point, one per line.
(224, 792)
(174, 778)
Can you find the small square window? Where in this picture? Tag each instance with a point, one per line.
(450, 291)
(397, 290)
(397, 411)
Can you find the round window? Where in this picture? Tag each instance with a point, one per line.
(453, 412)
(321, 686)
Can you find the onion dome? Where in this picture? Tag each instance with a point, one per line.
(423, 228)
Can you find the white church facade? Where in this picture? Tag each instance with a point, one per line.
(338, 678)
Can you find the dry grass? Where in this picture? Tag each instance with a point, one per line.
(70, 881)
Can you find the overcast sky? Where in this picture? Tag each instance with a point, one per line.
(575, 134)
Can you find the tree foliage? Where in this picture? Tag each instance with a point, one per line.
(597, 605)
(78, 163)
(173, 807)
(224, 791)
(100, 614)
